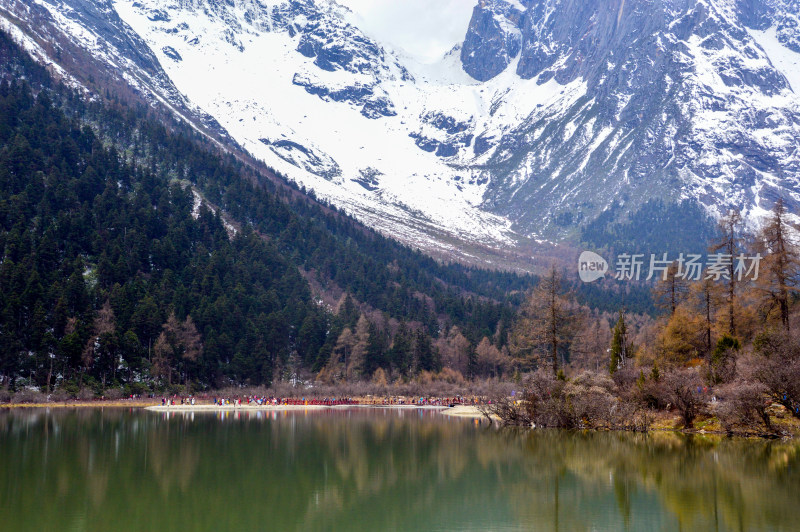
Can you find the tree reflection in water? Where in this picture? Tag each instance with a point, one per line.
(385, 469)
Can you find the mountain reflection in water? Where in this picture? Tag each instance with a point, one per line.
(377, 469)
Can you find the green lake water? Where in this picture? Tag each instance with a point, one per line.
(377, 469)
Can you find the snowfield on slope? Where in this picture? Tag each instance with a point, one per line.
(330, 146)
(372, 108)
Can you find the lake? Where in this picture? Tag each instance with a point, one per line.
(377, 469)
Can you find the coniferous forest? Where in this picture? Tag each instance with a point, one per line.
(138, 257)
(118, 267)
(338, 266)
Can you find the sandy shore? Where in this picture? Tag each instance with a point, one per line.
(464, 411)
(232, 408)
(467, 411)
(461, 411)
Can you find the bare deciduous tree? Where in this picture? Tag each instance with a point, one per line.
(178, 342)
(100, 345)
(781, 264)
(546, 323)
(730, 244)
(590, 348)
(682, 388)
(671, 289)
(779, 368)
(490, 360)
(706, 297)
(455, 350)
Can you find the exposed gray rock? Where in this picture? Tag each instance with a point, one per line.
(678, 90)
(493, 39)
(640, 99)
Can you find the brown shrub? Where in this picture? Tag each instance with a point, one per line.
(587, 401)
(507, 409)
(28, 395)
(743, 405)
(682, 388)
(85, 394)
(625, 379)
(113, 393)
(778, 368)
(59, 396)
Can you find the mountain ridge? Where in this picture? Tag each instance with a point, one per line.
(550, 113)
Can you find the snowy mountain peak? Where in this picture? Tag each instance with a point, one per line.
(547, 115)
(683, 101)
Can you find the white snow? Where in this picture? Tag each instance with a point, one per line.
(596, 142)
(251, 94)
(85, 37)
(785, 60)
(239, 64)
(715, 125)
(36, 51)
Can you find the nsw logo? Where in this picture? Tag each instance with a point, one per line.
(591, 266)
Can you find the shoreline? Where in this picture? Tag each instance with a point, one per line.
(81, 404)
(458, 411)
(462, 411)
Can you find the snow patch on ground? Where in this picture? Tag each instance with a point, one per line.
(785, 60)
(254, 94)
(37, 52)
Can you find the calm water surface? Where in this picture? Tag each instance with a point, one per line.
(379, 469)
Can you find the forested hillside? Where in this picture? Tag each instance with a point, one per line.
(114, 272)
(644, 231)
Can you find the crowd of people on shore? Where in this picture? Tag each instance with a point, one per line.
(252, 400)
(171, 401)
(423, 401)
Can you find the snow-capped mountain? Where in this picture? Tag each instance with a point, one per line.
(548, 113)
(680, 99)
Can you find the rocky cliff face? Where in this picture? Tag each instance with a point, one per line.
(494, 38)
(683, 100)
(549, 113)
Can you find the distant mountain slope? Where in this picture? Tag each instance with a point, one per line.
(550, 114)
(99, 203)
(683, 99)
